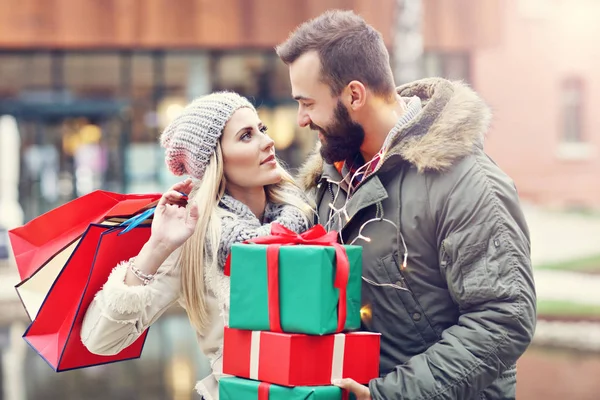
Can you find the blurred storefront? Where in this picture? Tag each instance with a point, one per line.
(91, 119)
(92, 84)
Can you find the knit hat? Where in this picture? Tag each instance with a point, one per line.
(192, 137)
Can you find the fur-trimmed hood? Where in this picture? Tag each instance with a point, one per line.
(451, 125)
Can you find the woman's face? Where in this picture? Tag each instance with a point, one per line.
(248, 152)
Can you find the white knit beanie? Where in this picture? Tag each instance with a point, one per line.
(192, 137)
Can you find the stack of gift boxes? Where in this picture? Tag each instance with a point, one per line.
(294, 311)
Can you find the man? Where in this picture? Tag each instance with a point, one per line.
(446, 255)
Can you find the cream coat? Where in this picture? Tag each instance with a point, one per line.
(119, 314)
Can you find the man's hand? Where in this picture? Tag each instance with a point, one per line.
(361, 392)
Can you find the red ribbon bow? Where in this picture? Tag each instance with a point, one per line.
(317, 235)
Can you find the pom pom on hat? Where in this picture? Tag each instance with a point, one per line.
(192, 137)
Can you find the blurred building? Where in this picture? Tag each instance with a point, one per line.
(542, 79)
(93, 83)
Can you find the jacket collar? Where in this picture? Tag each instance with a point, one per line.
(451, 125)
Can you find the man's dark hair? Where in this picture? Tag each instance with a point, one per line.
(348, 48)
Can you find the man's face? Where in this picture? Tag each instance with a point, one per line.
(340, 137)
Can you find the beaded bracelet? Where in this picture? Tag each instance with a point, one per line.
(145, 278)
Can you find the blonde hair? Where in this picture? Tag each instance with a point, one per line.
(194, 257)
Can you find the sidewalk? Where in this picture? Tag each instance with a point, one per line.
(559, 237)
(567, 286)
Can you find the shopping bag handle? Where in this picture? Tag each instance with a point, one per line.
(135, 221)
(138, 219)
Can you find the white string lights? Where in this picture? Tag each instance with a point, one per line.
(379, 217)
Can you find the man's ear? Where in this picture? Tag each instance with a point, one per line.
(357, 94)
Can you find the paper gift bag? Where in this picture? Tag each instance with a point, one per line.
(294, 283)
(39, 240)
(55, 332)
(33, 290)
(290, 359)
(232, 388)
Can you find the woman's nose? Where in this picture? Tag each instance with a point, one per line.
(268, 142)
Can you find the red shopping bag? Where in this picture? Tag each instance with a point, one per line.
(55, 332)
(42, 238)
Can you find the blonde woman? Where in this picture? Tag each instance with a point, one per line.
(239, 188)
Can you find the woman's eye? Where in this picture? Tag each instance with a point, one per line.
(246, 136)
(264, 129)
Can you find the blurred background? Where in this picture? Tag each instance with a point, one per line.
(86, 86)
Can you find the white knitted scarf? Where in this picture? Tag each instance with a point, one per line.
(242, 225)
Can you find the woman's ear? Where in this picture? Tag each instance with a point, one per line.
(357, 94)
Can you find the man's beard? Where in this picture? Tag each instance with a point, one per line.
(343, 137)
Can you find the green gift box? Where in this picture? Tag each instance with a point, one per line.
(231, 388)
(301, 294)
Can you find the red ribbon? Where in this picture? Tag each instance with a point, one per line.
(317, 235)
(345, 395)
(263, 391)
(273, 286)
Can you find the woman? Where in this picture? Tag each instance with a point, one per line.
(239, 189)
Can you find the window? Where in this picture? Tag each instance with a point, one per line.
(243, 73)
(572, 110)
(11, 73)
(20, 72)
(92, 74)
(453, 66)
(187, 75)
(573, 145)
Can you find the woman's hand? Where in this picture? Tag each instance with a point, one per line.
(172, 224)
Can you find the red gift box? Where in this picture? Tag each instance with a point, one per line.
(301, 360)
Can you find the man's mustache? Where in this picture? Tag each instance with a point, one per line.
(315, 127)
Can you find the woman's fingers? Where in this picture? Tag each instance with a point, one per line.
(184, 186)
(177, 194)
(170, 197)
(174, 196)
(188, 185)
